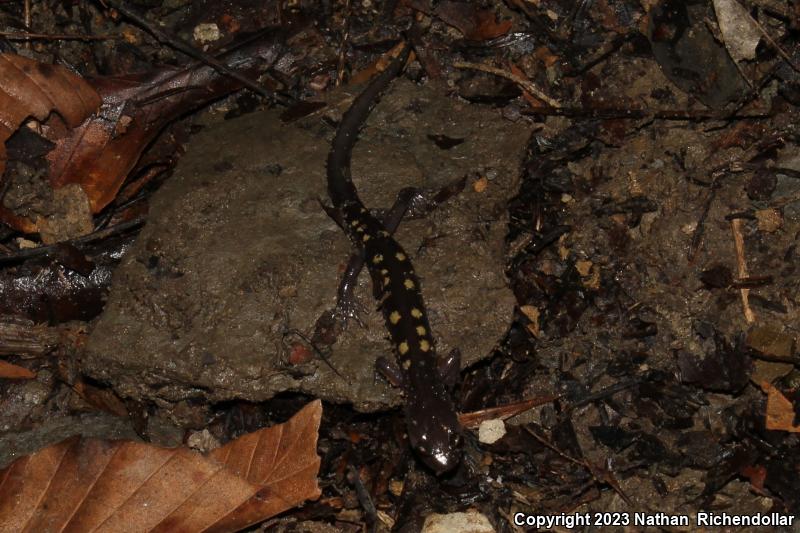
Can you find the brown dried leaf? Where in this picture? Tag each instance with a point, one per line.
(11, 371)
(780, 411)
(474, 23)
(100, 154)
(283, 460)
(487, 27)
(379, 65)
(531, 99)
(32, 89)
(103, 399)
(95, 485)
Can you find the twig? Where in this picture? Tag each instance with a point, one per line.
(639, 113)
(738, 241)
(778, 48)
(473, 420)
(601, 474)
(605, 393)
(191, 51)
(364, 498)
(22, 255)
(343, 44)
(320, 354)
(27, 18)
(699, 229)
(22, 36)
(525, 84)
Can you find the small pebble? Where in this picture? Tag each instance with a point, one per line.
(490, 431)
(470, 522)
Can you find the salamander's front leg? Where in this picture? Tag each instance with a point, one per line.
(390, 371)
(410, 200)
(346, 305)
(449, 367)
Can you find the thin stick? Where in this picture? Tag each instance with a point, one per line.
(699, 229)
(473, 420)
(27, 18)
(190, 51)
(40, 251)
(640, 113)
(738, 241)
(525, 84)
(343, 44)
(775, 45)
(22, 36)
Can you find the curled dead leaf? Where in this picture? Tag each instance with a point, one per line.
(100, 153)
(32, 89)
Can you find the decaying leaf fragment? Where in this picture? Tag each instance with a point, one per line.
(100, 153)
(29, 89)
(12, 371)
(32, 89)
(739, 30)
(780, 411)
(83, 484)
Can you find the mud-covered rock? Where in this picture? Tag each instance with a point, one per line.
(238, 255)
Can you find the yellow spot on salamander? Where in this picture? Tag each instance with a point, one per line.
(365, 238)
(376, 259)
(359, 229)
(394, 317)
(355, 223)
(421, 331)
(409, 284)
(384, 272)
(407, 364)
(402, 348)
(424, 345)
(400, 256)
(386, 281)
(416, 313)
(384, 233)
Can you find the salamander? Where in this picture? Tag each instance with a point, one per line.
(432, 424)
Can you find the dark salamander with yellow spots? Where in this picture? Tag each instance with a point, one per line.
(433, 428)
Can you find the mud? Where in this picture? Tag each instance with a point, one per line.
(238, 255)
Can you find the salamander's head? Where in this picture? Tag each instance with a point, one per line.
(434, 431)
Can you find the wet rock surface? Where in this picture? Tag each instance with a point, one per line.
(238, 256)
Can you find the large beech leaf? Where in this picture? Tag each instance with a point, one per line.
(92, 485)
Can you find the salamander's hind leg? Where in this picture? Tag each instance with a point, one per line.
(347, 307)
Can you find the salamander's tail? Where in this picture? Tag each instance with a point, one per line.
(340, 184)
